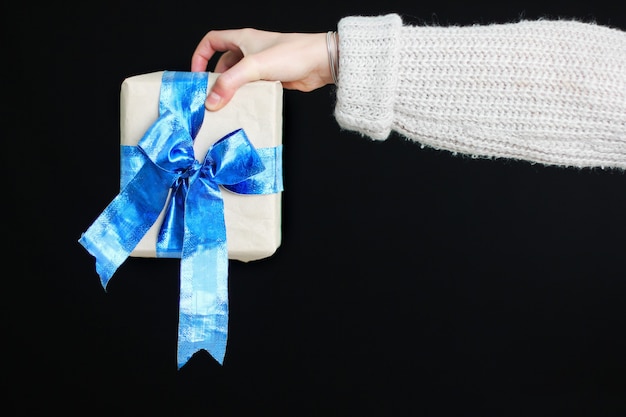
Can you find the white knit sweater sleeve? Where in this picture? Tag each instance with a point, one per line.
(546, 91)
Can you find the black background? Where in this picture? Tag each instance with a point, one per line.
(409, 281)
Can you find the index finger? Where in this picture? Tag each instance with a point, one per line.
(214, 41)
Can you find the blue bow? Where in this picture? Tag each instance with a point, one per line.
(165, 171)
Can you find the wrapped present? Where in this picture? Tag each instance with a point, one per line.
(253, 222)
(196, 185)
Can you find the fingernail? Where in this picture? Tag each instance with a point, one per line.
(213, 101)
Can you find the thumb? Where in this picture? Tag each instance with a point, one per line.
(227, 84)
(216, 98)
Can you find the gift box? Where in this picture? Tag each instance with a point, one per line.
(196, 185)
(253, 222)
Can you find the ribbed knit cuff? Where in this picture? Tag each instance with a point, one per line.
(368, 73)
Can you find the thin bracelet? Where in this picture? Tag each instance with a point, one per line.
(333, 58)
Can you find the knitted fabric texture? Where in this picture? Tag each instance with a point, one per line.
(546, 91)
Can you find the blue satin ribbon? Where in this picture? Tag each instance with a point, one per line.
(193, 227)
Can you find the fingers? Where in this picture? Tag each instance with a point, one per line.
(234, 68)
(229, 81)
(297, 60)
(201, 56)
(214, 41)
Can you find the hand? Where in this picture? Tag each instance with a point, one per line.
(298, 60)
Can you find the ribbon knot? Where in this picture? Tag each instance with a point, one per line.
(190, 172)
(163, 172)
(195, 167)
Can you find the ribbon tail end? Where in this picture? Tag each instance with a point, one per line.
(215, 348)
(105, 269)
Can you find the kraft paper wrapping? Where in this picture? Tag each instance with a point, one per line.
(253, 222)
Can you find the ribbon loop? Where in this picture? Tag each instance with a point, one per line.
(234, 159)
(168, 144)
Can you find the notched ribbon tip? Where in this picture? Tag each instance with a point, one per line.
(104, 272)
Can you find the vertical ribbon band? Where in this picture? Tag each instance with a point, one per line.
(162, 171)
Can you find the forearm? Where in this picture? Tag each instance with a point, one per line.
(552, 92)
